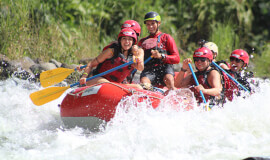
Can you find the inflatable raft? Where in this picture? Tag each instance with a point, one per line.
(92, 106)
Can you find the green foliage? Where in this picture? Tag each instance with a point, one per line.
(262, 62)
(68, 30)
(225, 38)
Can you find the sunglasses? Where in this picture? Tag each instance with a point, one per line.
(202, 59)
(235, 59)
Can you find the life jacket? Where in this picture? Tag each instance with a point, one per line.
(229, 87)
(232, 88)
(159, 47)
(117, 60)
(202, 79)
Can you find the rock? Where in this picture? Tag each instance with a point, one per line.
(36, 68)
(58, 64)
(70, 66)
(85, 60)
(177, 67)
(6, 69)
(47, 66)
(4, 58)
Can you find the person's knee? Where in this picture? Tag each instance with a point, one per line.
(168, 77)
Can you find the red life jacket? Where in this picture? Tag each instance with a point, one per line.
(117, 60)
(230, 87)
(160, 46)
(202, 79)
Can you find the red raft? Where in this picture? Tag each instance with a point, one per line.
(92, 106)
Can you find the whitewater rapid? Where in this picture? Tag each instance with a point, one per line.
(239, 130)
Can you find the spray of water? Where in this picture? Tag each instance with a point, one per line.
(238, 130)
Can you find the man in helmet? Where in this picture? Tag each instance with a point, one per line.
(117, 54)
(159, 70)
(208, 77)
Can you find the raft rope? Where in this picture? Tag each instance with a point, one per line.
(132, 91)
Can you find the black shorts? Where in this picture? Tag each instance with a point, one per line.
(157, 73)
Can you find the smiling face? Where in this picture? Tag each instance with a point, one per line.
(152, 26)
(126, 42)
(201, 63)
(236, 64)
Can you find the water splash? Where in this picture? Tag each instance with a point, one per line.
(239, 130)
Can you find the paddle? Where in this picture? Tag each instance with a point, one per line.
(48, 94)
(197, 83)
(135, 70)
(54, 76)
(238, 84)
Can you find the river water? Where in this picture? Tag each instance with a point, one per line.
(240, 130)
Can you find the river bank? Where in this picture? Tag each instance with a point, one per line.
(30, 69)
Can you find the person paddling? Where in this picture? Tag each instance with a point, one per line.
(214, 48)
(128, 24)
(117, 54)
(159, 70)
(239, 60)
(208, 77)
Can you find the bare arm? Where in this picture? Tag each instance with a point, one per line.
(214, 80)
(183, 78)
(106, 54)
(138, 57)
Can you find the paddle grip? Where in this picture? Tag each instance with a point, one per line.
(147, 60)
(196, 81)
(80, 67)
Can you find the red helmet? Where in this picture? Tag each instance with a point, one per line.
(129, 33)
(203, 52)
(133, 25)
(240, 54)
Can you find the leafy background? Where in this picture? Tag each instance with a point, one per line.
(69, 30)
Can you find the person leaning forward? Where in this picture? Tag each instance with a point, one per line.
(122, 52)
(159, 70)
(208, 77)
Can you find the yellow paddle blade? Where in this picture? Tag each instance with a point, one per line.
(54, 76)
(46, 95)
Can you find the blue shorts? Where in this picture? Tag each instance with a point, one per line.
(157, 73)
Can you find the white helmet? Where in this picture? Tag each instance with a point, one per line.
(212, 46)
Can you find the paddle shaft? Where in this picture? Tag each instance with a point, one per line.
(147, 60)
(231, 77)
(80, 67)
(48, 94)
(196, 81)
(104, 73)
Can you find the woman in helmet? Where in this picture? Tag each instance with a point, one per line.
(159, 70)
(128, 24)
(214, 48)
(209, 79)
(124, 51)
(239, 60)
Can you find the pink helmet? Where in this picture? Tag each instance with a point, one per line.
(129, 33)
(133, 25)
(240, 54)
(203, 52)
